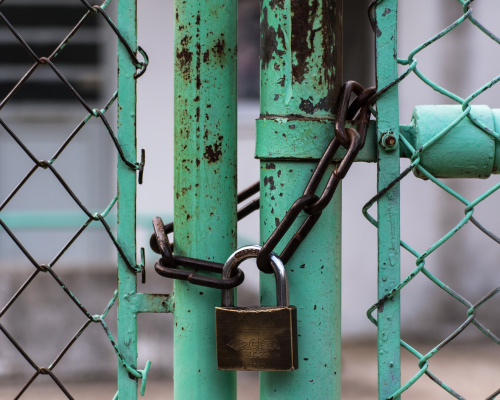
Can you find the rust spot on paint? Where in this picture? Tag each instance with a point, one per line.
(220, 48)
(305, 28)
(198, 66)
(213, 153)
(309, 107)
(274, 4)
(269, 180)
(269, 41)
(184, 57)
(303, 34)
(270, 166)
(185, 190)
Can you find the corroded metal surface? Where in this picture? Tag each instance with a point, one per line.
(300, 48)
(205, 183)
(300, 78)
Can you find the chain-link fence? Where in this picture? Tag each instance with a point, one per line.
(46, 61)
(23, 29)
(479, 125)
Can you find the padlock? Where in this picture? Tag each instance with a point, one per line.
(256, 338)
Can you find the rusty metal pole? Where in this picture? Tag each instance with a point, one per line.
(205, 184)
(301, 75)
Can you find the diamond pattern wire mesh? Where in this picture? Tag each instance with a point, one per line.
(470, 308)
(49, 61)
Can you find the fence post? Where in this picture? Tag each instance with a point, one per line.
(301, 73)
(388, 210)
(127, 317)
(204, 184)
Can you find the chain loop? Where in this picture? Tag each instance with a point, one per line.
(168, 264)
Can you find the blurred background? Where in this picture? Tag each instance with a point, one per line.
(42, 318)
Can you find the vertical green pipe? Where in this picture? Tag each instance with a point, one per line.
(205, 184)
(300, 79)
(127, 318)
(389, 362)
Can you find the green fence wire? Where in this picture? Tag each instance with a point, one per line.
(416, 154)
(49, 61)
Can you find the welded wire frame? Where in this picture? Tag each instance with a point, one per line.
(50, 61)
(470, 309)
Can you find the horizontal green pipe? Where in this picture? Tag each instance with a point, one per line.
(466, 151)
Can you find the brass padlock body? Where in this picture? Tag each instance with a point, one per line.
(256, 338)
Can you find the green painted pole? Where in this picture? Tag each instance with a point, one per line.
(127, 283)
(300, 79)
(205, 184)
(389, 359)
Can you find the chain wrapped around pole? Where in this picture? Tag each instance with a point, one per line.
(313, 205)
(357, 111)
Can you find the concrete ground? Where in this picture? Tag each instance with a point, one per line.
(472, 371)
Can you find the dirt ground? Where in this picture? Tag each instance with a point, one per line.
(472, 371)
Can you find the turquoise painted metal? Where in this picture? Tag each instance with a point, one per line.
(127, 317)
(205, 184)
(388, 318)
(130, 302)
(465, 151)
(300, 81)
(301, 76)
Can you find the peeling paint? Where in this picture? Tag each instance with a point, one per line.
(269, 41)
(213, 153)
(269, 180)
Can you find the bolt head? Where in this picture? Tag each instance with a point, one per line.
(389, 141)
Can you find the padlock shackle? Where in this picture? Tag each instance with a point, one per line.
(244, 253)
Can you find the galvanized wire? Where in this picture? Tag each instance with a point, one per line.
(49, 61)
(470, 309)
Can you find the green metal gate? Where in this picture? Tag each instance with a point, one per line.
(301, 76)
(442, 142)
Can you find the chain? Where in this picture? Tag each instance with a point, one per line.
(311, 204)
(168, 264)
(357, 111)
